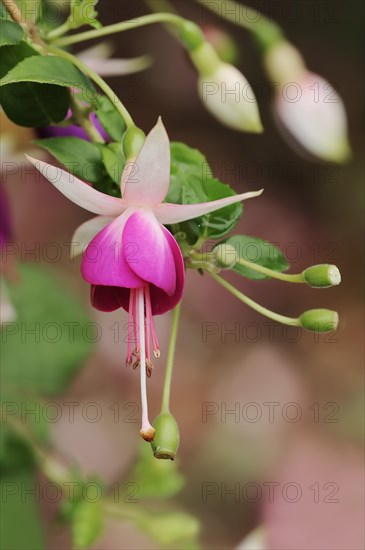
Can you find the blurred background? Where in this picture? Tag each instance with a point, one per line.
(271, 419)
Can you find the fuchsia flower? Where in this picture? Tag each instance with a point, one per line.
(131, 260)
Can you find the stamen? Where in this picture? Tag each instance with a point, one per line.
(136, 321)
(149, 317)
(130, 328)
(147, 431)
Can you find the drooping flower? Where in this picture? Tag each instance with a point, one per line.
(307, 106)
(131, 260)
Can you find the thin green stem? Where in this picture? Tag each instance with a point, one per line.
(254, 305)
(291, 278)
(165, 407)
(244, 16)
(121, 27)
(98, 80)
(83, 119)
(59, 31)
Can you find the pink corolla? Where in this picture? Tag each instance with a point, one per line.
(130, 259)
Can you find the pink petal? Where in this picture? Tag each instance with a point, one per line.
(148, 252)
(111, 298)
(104, 263)
(167, 213)
(85, 232)
(161, 302)
(78, 191)
(146, 180)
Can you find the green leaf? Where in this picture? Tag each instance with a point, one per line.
(187, 165)
(192, 182)
(15, 452)
(82, 12)
(12, 55)
(222, 221)
(31, 105)
(10, 32)
(4, 14)
(259, 252)
(113, 160)
(156, 478)
(109, 118)
(27, 103)
(82, 158)
(51, 337)
(87, 523)
(20, 526)
(48, 70)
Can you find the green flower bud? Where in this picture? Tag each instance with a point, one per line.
(133, 140)
(167, 438)
(191, 35)
(320, 320)
(322, 276)
(226, 256)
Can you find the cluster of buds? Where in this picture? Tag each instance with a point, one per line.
(225, 256)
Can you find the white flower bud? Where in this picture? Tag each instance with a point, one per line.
(307, 106)
(229, 97)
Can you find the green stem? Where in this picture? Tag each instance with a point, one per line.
(165, 408)
(250, 19)
(84, 121)
(121, 27)
(59, 31)
(291, 278)
(98, 80)
(254, 305)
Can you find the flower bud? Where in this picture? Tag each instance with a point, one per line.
(307, 106)
(319, 320)
(133, 140)
(322, 276)
(226, 93)
(226, 256)
(167, 438)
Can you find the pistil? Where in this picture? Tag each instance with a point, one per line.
(147, 431)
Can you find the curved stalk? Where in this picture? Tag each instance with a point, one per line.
(98, 80)
(165, 408)
(254, 305)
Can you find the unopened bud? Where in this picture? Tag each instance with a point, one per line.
(226, 256)
(167, 438)
(228, 96)
(133, 140)
(322, 276)
(320, 320)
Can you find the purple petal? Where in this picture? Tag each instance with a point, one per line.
(72, 130)
(109, 298)
(161, 302)
(148, 251)
(146, 180)
(104, 263)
